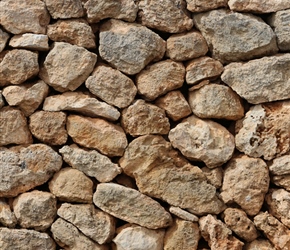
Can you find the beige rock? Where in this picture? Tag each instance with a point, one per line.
(214, 176)
(159, 78)
(259, 244)
(72, 74)
(216, 101)
(218, 236)
(36, 209)
(90, 162)
(73, 31)
(71, 185)
(280, 170)
(96, 133)
(203, 140)
(204, 5)
(129, 47)
(30, 41)
(246, 181)
(131, 206)
(3, 39)
(185, 46)
(64, 8)
(92, 222)
(17, 66)
(1, 100)
(182, 214)
(203, 68)
(7, 217)
(27, 97)
(233, 36)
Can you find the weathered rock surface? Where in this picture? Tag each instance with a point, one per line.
(131, 206)
(7, 217)
(64, 9)
(214, 176)
(182, 214)
(233, 36)
(30, 41)
(204, 5)
(1, 100)
(129, 47)
(280, 170)
(72, 74)
(260, 244)
(3, 39)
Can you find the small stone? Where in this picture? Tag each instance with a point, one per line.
(1, 100)
(72, 74)
(280, 170)
(131, 206)
(259, 244)
(182, 214)
(214, 176)
(35, 209)
(71, 185)
(143, 118)
(90, 162)
(203, 68)
(30, 41)
(216, 101)
(96, 133)
(64, 9)
(73, 31)
(246, 182)
(129, 47)
(3, 39)
(204, 5)
(7, 217)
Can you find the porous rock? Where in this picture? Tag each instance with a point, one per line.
(7, 217)
(280, 170)
(3, 39)
(204, 5)
(65, 8)
(30, 41)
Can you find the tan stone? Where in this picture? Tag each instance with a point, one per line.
(96, 133)
(30, 41)
(280, 170)
(7, 217)
(64, 8)
(214, 176)
(72, 74)
(182, 214)
(1, 100)
(204, 5)
(259, 244)
(3, 39)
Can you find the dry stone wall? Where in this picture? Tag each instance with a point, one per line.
(145, 124)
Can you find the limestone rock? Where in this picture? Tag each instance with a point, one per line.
(216, 101)
(280, 170)
(246, 181)
(233, 36)
(72, 74)
(260, 244)
(1, 100)
(204, 5)
(30, 41)
(96, 133)
(159, 78)
(3, 39)
(71, 185)
(203, 140)
(90, 162)
(7, 217)
(129, 47)
(36, 209)
(214, 176)
(111, 86)
(131, 206)
(64, 8)
(182, 214)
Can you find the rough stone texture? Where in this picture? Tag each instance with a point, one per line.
(246, 181)
(182, 214)
(90, 162)
(72, 74)
(175, 105)
(216, 101)
(185, 46)
(92, 222)
(204, 5)
(23, 168)
(218, 236)
(7, 217)
(131, 206)
(123, 9)
(71, 185)
(64, 8)
(143, 118)
(159, 78)
(280, 170)
(35, 209)
(129, 47)
(81, 103)
(96, 133)
(214, 176)
(264, 132)
(202, 68)
(24, 17)
(73, 31)
(30, 41)
(3, 39)
(11, 239)
(249, 81)
(234, 36)
(17, 66)
(203, 140)
(1, 100)
(260, 244)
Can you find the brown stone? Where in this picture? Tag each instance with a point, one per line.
(280, 171)
(3, 39)
(30, 41)
(259, 244)
(204, 5)
(64, 8)
(214, 176)
(7, 217)
(1, 100)
(182, 214)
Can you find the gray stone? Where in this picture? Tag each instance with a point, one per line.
(30, 41)
(64, 8)
(7, 217)
(3, 39)
(204, 5)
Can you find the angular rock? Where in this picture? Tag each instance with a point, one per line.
(72, 74)
(131, 206)
(216, 101)
(204, 5)
(159, 78)
(36, 209)
(233, 36)
(246, 181)
(214, 176)
(3, 39)
(182, 214)
(96, 133)
(260, 244)
(280, 171)
(30, 41)
(64, 9)
(129, 47)
(7, 217)
(203, 140)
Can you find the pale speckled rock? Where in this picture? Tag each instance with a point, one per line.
(159, 78)
(182, 214)
(1, 100)
(259, 244)
(30, 41)
(64, 8)
(7, 217)
(204, 5)
(3, 39)
(72, 74)
(91, 162)
(130, 205)
(214, 176)
(280, 170)
(36, 209)
(96, 133)
(203, 140)
(216, 101)
(129, 47)
(246, 182)
(233, 36)
(92, 222)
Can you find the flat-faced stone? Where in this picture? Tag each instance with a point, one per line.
(30, 41)
(259, 244)
(183, 214)
(4, 36)
(64, 9)
(280, 171)
(204, 5)
(7, 217)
